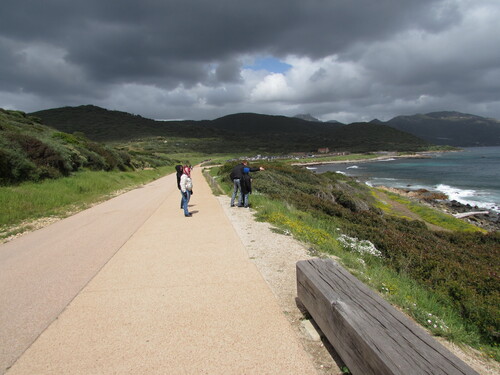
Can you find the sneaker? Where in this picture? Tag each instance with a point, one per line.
(232, 205)
(189, 215)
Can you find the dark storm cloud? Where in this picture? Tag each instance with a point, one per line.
(131, 40)
(189, 55)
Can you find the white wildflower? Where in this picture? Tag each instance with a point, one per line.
(360, 246)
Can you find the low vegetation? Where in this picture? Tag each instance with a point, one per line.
(447, 280)
(31, 151)
(430, 215)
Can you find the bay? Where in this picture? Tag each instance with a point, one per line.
(470, 176)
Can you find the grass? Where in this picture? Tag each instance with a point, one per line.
(31, 201)
(433, 216)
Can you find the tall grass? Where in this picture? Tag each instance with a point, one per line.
(31, 201)
(433, 216)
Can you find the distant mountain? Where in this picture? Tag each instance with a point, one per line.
(450, 128)
(335, 122)
(380, 137)
(306, 116)
(233, 133)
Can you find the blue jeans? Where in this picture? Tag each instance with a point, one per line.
(185, 200)
(237, 188)
(245, 199)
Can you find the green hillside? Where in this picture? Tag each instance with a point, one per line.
(31, 151)
(103, 125)
(244, 132)
(253, 123)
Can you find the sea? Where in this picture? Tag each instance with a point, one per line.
(470, 176)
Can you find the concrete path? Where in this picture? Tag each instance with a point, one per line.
(179, 297)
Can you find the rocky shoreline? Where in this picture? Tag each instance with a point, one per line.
(481, 217)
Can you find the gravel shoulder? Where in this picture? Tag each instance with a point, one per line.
(275, 256)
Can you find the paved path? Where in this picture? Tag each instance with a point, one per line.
(180, 296)
(41, 272)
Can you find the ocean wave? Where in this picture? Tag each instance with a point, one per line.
(389, 159)
(311, 168)
(468, 196)
(455, 193)
(353, 167)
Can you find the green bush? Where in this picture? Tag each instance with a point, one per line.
(32, 151)
(14, 167)
(46, 158)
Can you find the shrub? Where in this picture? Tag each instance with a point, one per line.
(65, 137)
(50, 162)
(16, 167)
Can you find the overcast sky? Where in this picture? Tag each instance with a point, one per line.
(345, 60)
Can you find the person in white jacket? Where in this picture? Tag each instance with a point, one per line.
(186, 185)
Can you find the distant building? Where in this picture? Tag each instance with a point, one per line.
(324, 150)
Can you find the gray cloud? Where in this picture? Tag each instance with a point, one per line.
(350, 59)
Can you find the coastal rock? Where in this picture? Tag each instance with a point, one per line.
(439, 201)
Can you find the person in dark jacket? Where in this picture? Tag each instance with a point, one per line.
(186, 185)
(179, 170)
(236, 175)
(246, 186)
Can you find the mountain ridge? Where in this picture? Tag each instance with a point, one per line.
(450, 128)
(233, 132)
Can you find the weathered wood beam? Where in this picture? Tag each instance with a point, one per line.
(467, 214)
(369, 334)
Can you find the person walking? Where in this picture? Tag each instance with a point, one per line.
(186, 185)
(235, 176)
